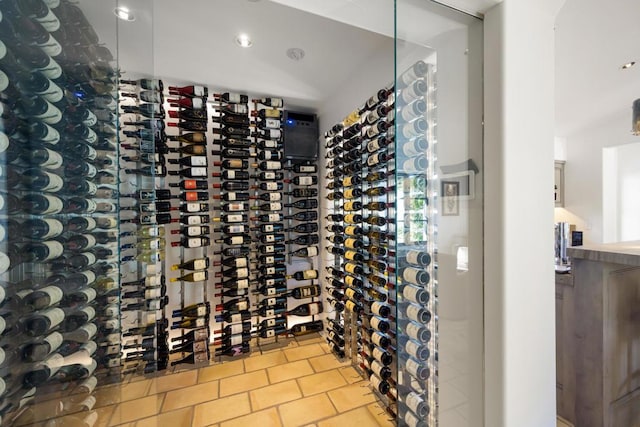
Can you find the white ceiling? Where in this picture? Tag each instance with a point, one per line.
(194, 43)
(594, 38)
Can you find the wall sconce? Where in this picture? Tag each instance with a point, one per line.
(635, 124)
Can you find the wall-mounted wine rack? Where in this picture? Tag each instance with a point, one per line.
(381, 281)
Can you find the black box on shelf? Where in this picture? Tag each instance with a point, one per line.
(300, 136)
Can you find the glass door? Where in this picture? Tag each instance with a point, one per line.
(438, 215)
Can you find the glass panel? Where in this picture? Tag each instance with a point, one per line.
(438, 215)
(60, 272)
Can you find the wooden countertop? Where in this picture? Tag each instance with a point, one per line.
(624, 253)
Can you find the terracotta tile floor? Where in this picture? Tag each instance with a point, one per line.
(298, 384)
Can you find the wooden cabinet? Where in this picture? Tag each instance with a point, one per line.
(565, 369)
(598, 344)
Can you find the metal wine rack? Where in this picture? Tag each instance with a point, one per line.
(383, 287)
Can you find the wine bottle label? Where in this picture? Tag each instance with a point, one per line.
(91, 206)
(351, 268)
(350, 280)
(198, 160)
(153, 293)
(55, 184)
(310, 274)
(194, 242)
(54, 340)
(199, 276)
(55, 316)
(350, 293)
(315, 308)
(416, 313)
(269, 249)
(197, 103)
(194, 230)
(54, 228)
(379, 309)
(52, 364)
(417, 258)
(379, 354)
(192, 207)
(89, 347)
(418, 351)
(88, 385)
(351, 255)
(272, 123)
(234, 218)
(54, 160)
(102, 222)
(307, 169)
(55, 249)
(312, 251)
(305, 180)
(270, 270)
(90, 294)
(90, 312)
(199, 171)
(415, 295)
(415, 403)
(411, 419)
(4, 81)
(377, 339)
(84, 333)
(417, 332)
(373, 160)
(235, 207)
(55, 294)
(416, 276)
(377, 323)
(242, 305)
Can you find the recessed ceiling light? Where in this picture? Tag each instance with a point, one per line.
(243, 40)
(295, 53)
(124, 13)
(628, 65)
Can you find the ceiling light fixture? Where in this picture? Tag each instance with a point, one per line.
(124, 13)
(243, 40)
(628, 65)
(295, 53)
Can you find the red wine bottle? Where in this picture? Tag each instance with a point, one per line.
(191, 91)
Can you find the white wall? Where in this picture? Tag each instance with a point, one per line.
(519, 275)
(583, 172)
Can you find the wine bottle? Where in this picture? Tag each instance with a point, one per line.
(149, 110)
(192, 242)
(307, 252)
(191, 184)
(192, 172)
(191, 91)
(232, 164)
(414, 275)
(305, 216)
(193, 335)
(190, 138)
(193, 219)
(232, 98)
(190, 323)
(193, 358)
(190, 161)
(336, 304)
(303, 204)
(193, 264)
(307, 309)
(194, 103)
(193, 310)
(196, 276)
(232, 175)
